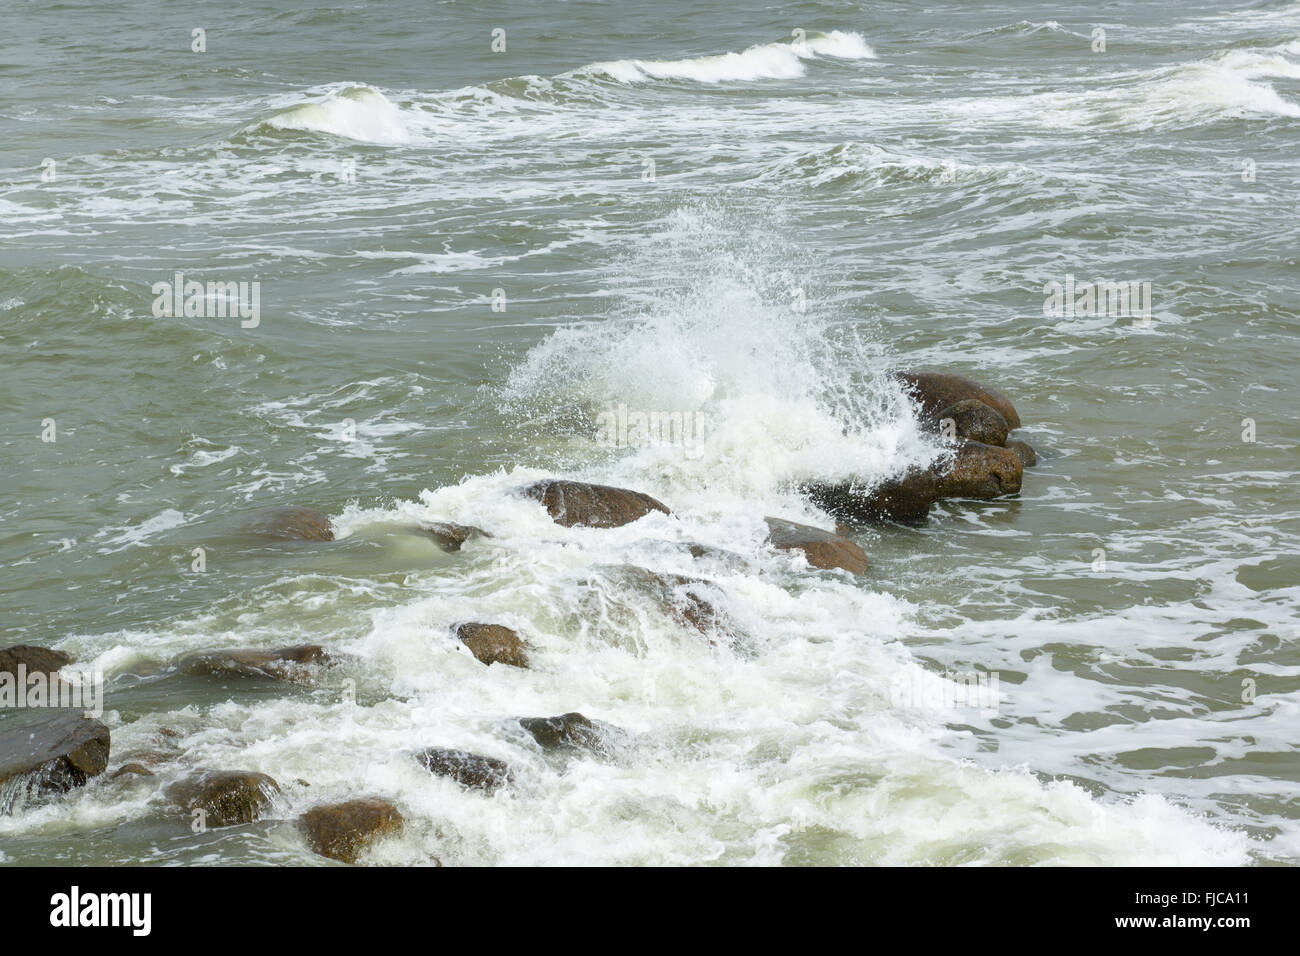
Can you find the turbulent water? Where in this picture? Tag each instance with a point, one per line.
(746, 215)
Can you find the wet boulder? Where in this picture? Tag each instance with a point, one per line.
(449, 536)
(293, 664)
(131, 770)
(822, 549)
(493, 644)
(293, 522)
(979, 471)
(569, 732)
(471, 770)
(935, 391)
(226, 797)
(1024, 451)
(974, 420)
(577, 503)
(904, 498)
(51, 756)
(35, 660)
(341, 831)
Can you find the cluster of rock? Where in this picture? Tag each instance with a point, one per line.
(60, 752)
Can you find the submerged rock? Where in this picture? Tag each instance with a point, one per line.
(51, 756)
(36, 660)
(226, 797)
(974, 420)
(1024, 451)
(341, 831)
(935, 391)
(132, 769)
(468, 769)
(283, 663)
(570, 731)
(571, 503)
(823, 549)
(303, 524)
(905, 499)
(493, 644)
(980, 471)
(686, 600)
(450, 536)
(721, 557)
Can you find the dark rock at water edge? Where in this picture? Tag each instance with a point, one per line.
(980, 471)
(226, 797)
(468, 769)
(51, 756)
(293, 522)
(282, 663)
(577, 503)
(1024, 451)
(935, 391)
(823, 549)
(570, 731)
(450, 536)
(493, 643)
(36, 660)
(974, 420)
(341, 831)
(905, 499)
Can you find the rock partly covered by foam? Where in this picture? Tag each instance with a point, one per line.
(906, 498)
(577, 503)
(36, 660)
(493, 644)
(468, 769)
(283, 663)
(341, 831)
(570, 731)
(449, 536)
(974, 420)
(822, 549)
(226, 797)
(303, 524)
(51, 756)
(980, 471)
(935, 391)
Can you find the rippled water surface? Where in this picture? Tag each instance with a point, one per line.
(745, 214)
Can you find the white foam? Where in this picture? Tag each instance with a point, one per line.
(356, 112)
(768, 61)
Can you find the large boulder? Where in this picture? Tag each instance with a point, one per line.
(303, 524)
(341, 831)
(450, 536)
(980, 471)
(226, 797)
(51, 756)
(36, 660)
(471, 770)
(905, 498)
(493, 644)
(294, 663)
(571, 503)
(974, 420)
(823, 549)
(935, 391)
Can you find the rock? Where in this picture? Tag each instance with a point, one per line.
(974, 420)
(341, 831)
(226, 797)
(681, 598)
(51, 756)
(935, 391)
(37, 660)
(135, 769)
(468, 769)
(905, 499)
(980, 471)
(823, 549)
(724, 559)
(284, 663)
(567, 732)
(303, 524)
(493, 643)
(571, 503)
(449, 536)
(1024, 451)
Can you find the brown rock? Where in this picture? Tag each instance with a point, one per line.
(974, 420)
(284, 663)
(304, 524)
(823, 549)
(341, 831)
(51, 756)
(980, 471)
(571, 503)
(450, 536)
(226, 797)
(37, 660)
(566, 732)
(135, 769)
(493, 643)
(1024, 451)
(468, 769)
(935, 391)
(724, 559)
(905, 499)
(681, 598)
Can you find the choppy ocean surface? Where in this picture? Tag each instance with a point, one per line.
(470, 244)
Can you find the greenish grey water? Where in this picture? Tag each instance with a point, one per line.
(916, 195)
